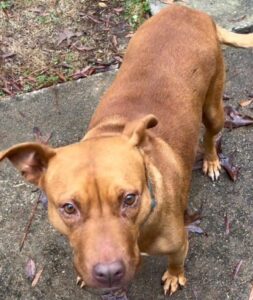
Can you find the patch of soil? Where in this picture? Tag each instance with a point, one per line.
(44, 42)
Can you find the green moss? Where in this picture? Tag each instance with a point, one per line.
(137, 12)
(5, 4)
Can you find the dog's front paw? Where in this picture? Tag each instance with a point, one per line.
(212, 168)
(80, 282)
(171, 283)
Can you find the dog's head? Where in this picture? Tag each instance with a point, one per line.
(97, 196)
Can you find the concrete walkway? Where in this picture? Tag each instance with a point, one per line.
(65, 110)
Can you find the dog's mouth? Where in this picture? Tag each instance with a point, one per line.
(117, 292)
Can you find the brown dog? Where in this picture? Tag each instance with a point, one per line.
(124, 188)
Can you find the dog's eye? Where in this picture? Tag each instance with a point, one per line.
(130, 199)
(69, 208)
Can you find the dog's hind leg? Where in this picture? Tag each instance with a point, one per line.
(213, 119)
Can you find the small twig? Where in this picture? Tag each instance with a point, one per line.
(27, 228)
(37, 277)
(237, 268)
(227, 224)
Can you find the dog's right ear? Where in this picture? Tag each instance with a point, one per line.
(31, 159)
(136, 130)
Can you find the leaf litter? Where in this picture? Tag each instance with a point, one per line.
(234, 119)
(49, 42)
(246, 102)
(30, 271)
(226, 161)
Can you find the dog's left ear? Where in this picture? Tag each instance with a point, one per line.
(136, 130)
(31, 159)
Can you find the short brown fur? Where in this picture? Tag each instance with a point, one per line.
(124, 188)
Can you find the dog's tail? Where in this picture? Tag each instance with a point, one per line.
(234, 39)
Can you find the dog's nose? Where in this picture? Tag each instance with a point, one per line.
(109, 274)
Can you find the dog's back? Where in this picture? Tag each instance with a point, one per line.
(167, 70)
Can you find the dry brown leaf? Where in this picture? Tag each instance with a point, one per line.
(118, 9)
(246, 102)
(8, 55)
(194, 227)
(234, 119)
(114, 41)
(67, 35)
(37, 277)
(30, 269)
(129, 35)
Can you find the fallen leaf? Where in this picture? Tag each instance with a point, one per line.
(118, 58)
(30, 269)
(237, 268)
(80, 47)
(230, 168)
(107, 22)
(114, 41)
(129, 35)
(194, 227)
(95, 20)
(8, 55)
(67, 35)
(89, 70)
(32, 79)
(61, 76)
(118, 9)
(245, 102)
(7, 91)
(235, 119)
(37, 277)
(192, 220)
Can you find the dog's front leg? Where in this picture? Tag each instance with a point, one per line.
(174, 277)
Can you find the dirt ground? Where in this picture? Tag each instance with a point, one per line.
(45, 42)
